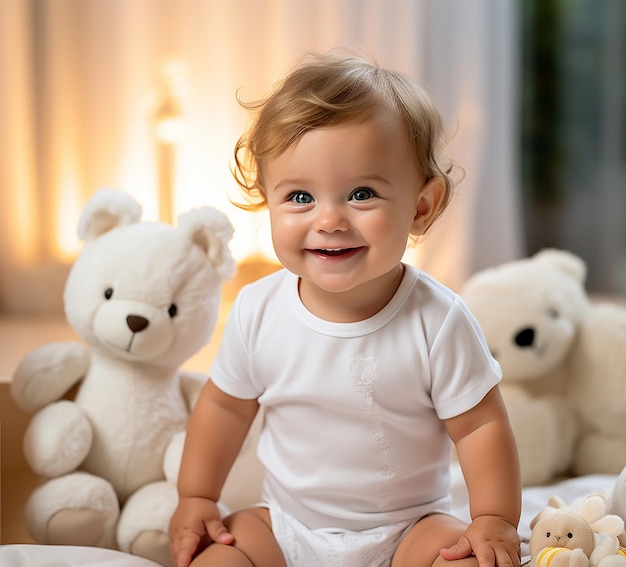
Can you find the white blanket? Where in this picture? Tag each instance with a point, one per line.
(534, 499)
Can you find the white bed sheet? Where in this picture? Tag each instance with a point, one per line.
(19, 555)
(534, 499)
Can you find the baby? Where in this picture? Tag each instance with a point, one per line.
(366, 368)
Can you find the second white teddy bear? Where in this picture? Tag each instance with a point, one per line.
(563, 360)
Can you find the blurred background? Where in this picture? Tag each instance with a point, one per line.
(141, 96)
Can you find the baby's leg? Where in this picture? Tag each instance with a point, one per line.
(254, 545)
(420, 546)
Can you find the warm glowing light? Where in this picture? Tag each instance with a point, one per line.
(168, 116)
(171, 163)
(68, 206)
(168, 130)
(168, 125)
(23, 223)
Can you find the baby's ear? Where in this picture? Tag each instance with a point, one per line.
(428, 205)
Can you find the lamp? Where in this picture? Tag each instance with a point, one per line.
(168, 122)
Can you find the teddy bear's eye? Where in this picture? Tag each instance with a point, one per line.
(172, 311)
(570, 535)
(547, 534)
(553, 313)
(108, 293)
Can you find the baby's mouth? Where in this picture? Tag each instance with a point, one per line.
(334, 252)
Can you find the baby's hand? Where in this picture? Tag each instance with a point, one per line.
(492, 540)
(195, 524)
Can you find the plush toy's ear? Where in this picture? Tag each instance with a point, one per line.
(567, 262)
(593, 507)
(107, 209)
(556, 501)
(211, 230)
(544, 513)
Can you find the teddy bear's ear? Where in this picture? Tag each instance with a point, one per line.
(211, 230)
(107, 209)
(567, 262)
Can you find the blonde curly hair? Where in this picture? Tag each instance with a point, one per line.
(327, 90)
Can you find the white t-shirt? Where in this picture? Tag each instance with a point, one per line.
(352, 434)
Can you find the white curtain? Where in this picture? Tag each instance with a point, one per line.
(80, 87)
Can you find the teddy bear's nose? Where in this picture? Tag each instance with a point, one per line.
(525, 337)
(136, 323)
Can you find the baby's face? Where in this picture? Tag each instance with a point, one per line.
(343, 201)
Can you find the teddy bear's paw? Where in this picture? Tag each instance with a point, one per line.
(76, 527)
(48, 372)
(147, 511)
(57, 440)
(78, 508)
(173, 456)
(533, 419)
(154, 545)
(598, 454)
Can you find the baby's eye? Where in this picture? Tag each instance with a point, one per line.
(300, 198)
(362, 194)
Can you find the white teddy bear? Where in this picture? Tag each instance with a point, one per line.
(563, 360)
(144, 297)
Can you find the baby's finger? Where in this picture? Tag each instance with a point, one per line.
(505, 559)
(486, 557)
(460, 550)
(184, 549)
(183, 559)
(218, 533)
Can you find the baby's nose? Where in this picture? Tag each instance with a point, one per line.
(331, 218)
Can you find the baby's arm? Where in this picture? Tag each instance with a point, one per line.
(488, 456)
(217, 428)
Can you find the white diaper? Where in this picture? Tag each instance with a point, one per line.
(332, 547)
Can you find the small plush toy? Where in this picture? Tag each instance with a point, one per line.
(563, 360)
(579, 535)
(144, 297)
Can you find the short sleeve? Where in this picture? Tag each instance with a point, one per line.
(462, 368)
(230, 371)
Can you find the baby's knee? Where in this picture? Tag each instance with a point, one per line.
(222, 555)
(252, 530)
(421, 545)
